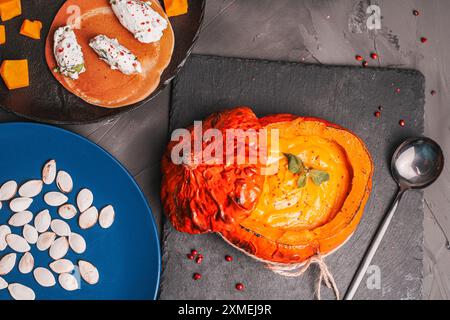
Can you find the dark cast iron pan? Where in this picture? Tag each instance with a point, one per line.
(45, 100)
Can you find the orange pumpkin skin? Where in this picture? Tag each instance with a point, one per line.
(259, 238)
(211, 197)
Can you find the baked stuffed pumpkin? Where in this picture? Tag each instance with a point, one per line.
(307, 198)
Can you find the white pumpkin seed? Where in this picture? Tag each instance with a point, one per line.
(49, 172)
(7, 263)
(26, 263)
(31, 188)
(55, 199)
(88, 272)
(20, 292)
(42, 221)
(44, 277)
(8, 190)
(45, 240)
(77, 243)
(62, 266)
(106, 218)
(85, 198)
(68, 282)
(30, 234)
(4, 231)
(88, 218)
(3, 284)
(67, 211)
(64, 182)
(20, 204)
(17, 243)
(20, 219)
(59, 248)
(61, 228)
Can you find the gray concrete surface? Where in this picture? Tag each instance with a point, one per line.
(313, 31)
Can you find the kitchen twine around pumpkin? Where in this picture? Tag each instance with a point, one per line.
(298, 269)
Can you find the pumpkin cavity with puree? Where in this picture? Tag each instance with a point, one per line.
(310, 201)
(106, 84)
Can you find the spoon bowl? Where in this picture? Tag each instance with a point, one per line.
(417, 163)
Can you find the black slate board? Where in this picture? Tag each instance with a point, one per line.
(345, 95)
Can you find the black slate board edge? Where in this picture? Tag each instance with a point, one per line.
(174, 107)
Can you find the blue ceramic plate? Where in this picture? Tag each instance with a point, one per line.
(127, 255)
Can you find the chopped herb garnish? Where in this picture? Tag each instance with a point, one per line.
(296, 166)
(78, 68)
(301, 182)
(318, 176)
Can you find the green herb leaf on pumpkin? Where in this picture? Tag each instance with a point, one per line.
(301, 182)
(318, 176)
(295, 164)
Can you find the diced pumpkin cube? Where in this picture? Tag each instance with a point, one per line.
(31, 29)
(2, 34)
(15, 73)
(10, 9)
(176, 7)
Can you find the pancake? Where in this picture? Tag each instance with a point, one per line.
(100, 85)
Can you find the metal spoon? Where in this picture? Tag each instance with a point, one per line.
(416, 164)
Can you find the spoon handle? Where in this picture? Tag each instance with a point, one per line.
(358, 277)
